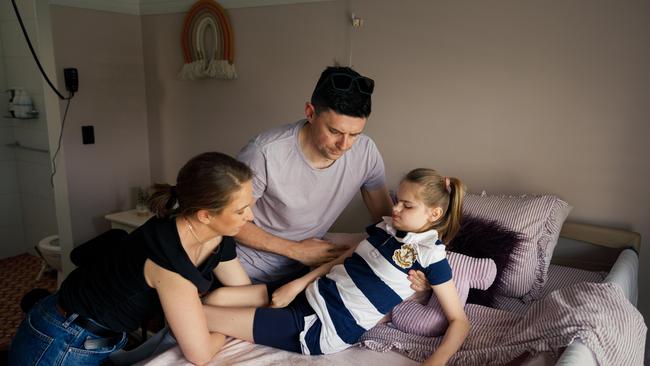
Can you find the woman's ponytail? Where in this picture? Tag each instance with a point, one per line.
(163, 199)
(207, 181)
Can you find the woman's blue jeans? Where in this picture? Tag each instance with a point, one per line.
(45, 337)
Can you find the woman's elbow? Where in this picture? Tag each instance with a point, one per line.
(203, 355)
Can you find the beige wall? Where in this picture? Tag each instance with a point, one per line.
(512, 96)
(106, 48)
(279, 50)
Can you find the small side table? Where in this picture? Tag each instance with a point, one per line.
(127, 220)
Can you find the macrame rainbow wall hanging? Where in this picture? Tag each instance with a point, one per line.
(207, 16)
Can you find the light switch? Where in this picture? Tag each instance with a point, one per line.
(87, 135)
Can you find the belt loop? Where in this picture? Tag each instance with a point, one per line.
(70, 319)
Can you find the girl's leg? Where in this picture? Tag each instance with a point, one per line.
(238, 296)
(234, 322)
(279, 327)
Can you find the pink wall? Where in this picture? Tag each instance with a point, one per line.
(512, 96)
(106, 48)
(279, 51)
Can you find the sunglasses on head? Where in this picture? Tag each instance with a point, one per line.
(343, 82)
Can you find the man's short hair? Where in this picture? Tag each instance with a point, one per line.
(351, 102)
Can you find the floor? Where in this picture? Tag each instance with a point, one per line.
(17, 277)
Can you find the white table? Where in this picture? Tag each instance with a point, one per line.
(127, 220)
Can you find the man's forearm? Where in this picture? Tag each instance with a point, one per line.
(378, 202)
(256, 238)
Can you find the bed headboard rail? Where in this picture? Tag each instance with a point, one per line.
(603, 236)
(592, 247)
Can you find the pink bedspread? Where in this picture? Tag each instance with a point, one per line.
(596, 313)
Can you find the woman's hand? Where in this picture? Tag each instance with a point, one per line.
(284, 295)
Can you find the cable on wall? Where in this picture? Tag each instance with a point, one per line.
(31, 48)
(356, 23)
(72, 88)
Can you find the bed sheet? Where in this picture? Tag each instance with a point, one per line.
(237, 352)
(242, 353)
(624, 273)
(558, 277)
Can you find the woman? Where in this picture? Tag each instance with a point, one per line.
(168, 262)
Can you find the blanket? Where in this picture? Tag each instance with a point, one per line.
(596, 313)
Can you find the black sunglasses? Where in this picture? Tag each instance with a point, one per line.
(343, 82)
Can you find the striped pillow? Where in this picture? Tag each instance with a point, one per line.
(539, 220)
(429, 320)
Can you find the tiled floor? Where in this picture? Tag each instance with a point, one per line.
(17, 277)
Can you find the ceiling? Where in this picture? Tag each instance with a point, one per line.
(146, 7)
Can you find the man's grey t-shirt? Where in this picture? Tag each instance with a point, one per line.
(296, 201)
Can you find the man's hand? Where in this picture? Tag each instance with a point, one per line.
(314, 252)
(419, 281)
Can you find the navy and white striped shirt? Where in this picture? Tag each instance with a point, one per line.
(354, 296)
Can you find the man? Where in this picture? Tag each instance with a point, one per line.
(306, 173)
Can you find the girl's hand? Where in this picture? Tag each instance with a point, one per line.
(419, 281)
(430, 362)
(284, 295)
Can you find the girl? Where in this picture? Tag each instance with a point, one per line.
(168, 262)
(328, 309)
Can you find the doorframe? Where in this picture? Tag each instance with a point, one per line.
(53, 121)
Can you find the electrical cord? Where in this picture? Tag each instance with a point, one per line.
(31, 48)
(40, 67)
(58, 147)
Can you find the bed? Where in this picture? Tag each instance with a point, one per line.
(586, 256)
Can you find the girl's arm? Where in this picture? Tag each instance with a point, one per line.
(184, 313)
(458, 323)
(284, 295)
(240, 291)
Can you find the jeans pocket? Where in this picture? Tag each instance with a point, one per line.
(82, 357)
(29, 345)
